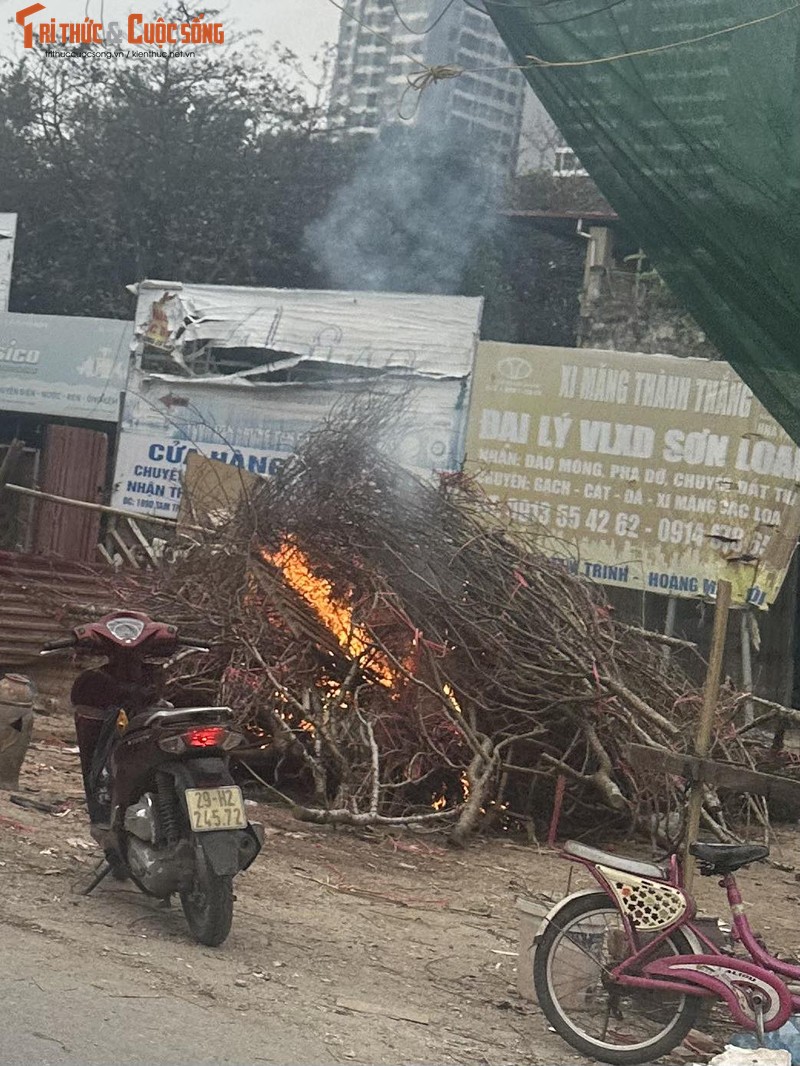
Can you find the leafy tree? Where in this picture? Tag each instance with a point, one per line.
(218, 169)
(206, 169)
(530, 281)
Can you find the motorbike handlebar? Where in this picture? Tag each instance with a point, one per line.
(56, 645)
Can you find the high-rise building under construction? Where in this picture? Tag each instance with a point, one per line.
(384, 43)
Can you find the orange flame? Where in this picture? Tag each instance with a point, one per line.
(337, 616)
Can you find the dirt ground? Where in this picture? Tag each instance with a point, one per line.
(376, 948)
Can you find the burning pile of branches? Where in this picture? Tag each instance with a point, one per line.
(407, 658)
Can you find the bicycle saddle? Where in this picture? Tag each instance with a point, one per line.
(725, 858)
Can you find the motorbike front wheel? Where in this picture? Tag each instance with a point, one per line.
(208, 905)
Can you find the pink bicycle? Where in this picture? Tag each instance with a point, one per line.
(622, 973)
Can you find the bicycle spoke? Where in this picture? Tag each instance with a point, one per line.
(582, 962)
(604, 1032)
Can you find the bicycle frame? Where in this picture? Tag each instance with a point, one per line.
(747, 986)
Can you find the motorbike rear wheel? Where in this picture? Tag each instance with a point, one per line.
(208, 906)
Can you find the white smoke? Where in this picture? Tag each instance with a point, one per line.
(411, 218)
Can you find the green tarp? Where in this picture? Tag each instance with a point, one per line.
(697, 147)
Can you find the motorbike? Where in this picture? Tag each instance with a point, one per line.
(162, 803)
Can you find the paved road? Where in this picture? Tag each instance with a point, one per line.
(59, 1010)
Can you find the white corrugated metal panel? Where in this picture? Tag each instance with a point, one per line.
(429, 335)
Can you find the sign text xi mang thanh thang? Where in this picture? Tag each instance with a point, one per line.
(643, 471)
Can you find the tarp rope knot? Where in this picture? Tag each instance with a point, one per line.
(419, 82)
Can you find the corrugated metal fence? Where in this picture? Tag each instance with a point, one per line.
(41, 598)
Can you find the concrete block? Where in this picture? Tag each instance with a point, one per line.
(739, 1056)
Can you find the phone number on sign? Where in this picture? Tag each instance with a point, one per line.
(599, 521)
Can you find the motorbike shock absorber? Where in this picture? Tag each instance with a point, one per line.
(168, 809)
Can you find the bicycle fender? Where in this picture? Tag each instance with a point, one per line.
(727, 978)
(557, 907)
(687, 931)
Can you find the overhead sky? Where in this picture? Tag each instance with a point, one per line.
(302, 25)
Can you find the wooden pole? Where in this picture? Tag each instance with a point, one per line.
(747, 663)
(790, 592)
(10, 460)
(704, 729)
(669, 627)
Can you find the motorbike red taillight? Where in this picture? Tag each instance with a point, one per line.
(199, 738)
(212, 736)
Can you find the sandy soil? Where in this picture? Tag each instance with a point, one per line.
(363, 947)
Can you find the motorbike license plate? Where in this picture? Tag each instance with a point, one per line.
(215, 808)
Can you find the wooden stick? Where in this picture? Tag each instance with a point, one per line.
(10, 460)
(791, 714)
(659, 638)
(669, 628)
(703, 739)
(105, 555)
(145, 543)
(124, 549)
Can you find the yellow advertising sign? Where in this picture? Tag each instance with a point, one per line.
(644, 471)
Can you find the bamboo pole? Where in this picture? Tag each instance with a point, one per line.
(101, 507)
(702, 741)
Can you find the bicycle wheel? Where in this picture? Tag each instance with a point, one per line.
(599, 1018)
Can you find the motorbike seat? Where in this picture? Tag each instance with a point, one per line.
(174, 715)
(615, 862)
(726, 858)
